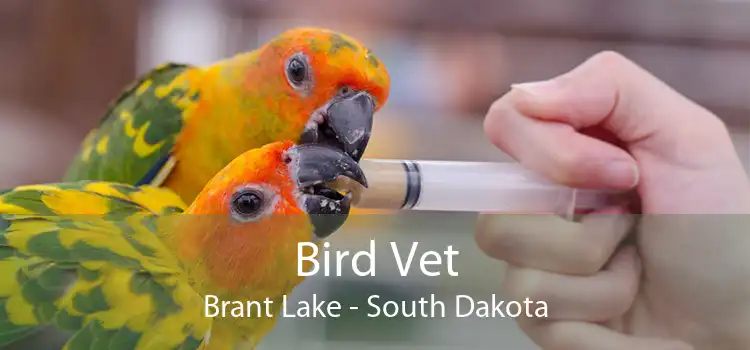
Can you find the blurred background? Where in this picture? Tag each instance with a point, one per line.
(63, 61)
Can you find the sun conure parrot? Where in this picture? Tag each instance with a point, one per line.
(178, 125)
(128, 267)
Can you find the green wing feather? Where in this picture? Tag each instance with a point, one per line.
(137, 132)
(107, 277)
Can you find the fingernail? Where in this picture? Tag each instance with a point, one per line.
(537, 87)
(622, 173)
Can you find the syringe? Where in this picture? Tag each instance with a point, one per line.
(468, 186)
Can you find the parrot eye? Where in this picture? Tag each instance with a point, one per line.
(298, 71)
(247, 204)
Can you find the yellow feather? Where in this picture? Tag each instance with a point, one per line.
(127, 117)
(9, 267)
(167, 333)
(86, 145)
(66, 302)
(20, 232)
(144, 86)
(42, 188)
(104, 189)
(101, 145)
(116, 244)
(10, 208)
(19, 311)
(128, 308)
(157, 199)
(75, 202)
(140, 146)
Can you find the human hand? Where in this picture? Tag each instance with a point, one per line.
(687, 280)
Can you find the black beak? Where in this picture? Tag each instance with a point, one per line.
(346, 125)
(312, 165)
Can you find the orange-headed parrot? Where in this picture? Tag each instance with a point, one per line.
(126, 267)
(178, 125)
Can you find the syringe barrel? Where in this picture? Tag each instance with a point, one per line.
(468, 186)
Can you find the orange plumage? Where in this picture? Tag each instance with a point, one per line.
(180, 124)
(246, 101)
(225, 248)
(256, 257)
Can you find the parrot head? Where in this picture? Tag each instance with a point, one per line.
(254, 213)
(319, 86)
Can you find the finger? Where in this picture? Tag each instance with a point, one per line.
(550, 243)
(606, 91)
(557, 151)
(606, 295)
(614, 92)
(572, 335)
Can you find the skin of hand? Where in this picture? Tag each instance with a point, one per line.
(685, 282)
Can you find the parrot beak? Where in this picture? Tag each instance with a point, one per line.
(312, 166)
(345, 123)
